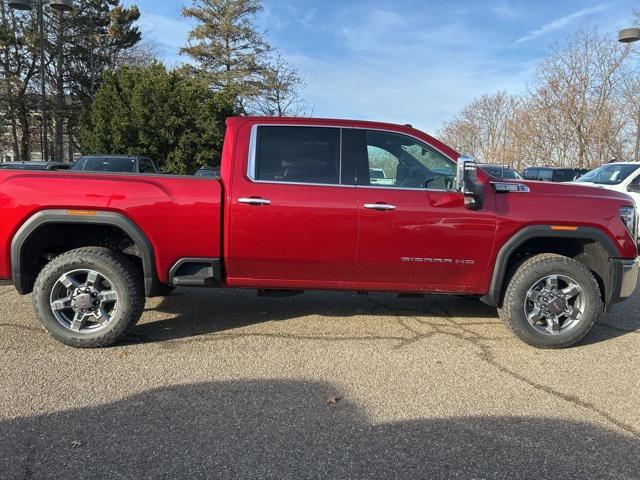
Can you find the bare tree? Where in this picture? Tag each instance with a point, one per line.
(575, 87)
(582, 109)
(485, 128)
(279, 91)
(142, 54)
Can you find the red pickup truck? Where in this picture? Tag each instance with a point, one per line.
(316, 204)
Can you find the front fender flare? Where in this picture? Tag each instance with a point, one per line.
(494, 296)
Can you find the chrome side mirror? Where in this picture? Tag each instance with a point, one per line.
(467, 182)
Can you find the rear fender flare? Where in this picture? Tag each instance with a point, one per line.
(21, 281)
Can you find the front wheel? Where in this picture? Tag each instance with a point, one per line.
(89, 297)
(551, 301)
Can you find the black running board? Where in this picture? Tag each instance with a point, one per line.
(196, 272)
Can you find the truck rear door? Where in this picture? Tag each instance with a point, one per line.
(291, 209)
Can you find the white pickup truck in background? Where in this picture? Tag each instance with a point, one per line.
(619, 176)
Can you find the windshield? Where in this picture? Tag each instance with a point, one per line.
(500, 172)
(610, 174)
(106, 164)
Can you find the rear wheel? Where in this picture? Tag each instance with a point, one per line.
(551, 301)
(89, 297)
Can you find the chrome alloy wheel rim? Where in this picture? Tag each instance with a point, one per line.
(83, 301)
(554, 305)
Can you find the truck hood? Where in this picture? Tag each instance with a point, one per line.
(577, 190)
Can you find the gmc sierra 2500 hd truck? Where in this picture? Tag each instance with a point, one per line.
(316, 204)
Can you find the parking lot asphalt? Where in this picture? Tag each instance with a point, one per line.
(225, 384)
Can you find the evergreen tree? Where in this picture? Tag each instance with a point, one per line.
(174, 118)
(226, 46)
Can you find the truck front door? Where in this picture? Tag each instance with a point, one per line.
(415, 233)
(292, 215)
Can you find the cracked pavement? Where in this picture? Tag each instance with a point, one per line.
(224, 384)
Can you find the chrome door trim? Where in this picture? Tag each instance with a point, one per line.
(251, 163)
(254, 201)
(379, 206)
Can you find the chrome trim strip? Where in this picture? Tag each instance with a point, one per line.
(405, 189)
(510, 187)
(251, 166)
(273, 182)
(340, 161)
(251, 161)
(379, 206)
(254, 201)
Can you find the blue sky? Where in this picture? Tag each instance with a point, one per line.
(404, 61)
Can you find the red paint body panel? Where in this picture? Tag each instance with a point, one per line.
(313, 236)
(413, 244)
(179, 215)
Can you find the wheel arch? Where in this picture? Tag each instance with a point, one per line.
(597, 249)
(23, 280)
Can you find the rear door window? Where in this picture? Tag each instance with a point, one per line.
(110, 164)
(146, 166)
(292, 154)
(545, 175)
(563, 175)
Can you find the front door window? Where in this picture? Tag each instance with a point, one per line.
(399, 161)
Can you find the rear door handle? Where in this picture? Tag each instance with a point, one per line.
(379, 206)
(254, 201)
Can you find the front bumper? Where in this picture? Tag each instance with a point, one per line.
(624, 279)
(5, 282)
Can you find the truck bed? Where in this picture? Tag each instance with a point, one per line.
(180, 215)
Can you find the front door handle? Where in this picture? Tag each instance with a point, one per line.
(254, 201)
(379, 206)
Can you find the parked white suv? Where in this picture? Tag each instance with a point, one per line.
(619, 176)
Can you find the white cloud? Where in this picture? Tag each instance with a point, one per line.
(404, 70)
(560, 23)
(170, 33)
(308, 18)
(505, 10)
(401, 90)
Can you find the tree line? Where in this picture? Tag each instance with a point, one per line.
(78, 47)
(107, 92)
(581, 109)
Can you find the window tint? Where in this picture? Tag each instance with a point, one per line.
(395, 160)
(106, 164)
(564, 175)
(146, 166)
(501, 172)
(298, 154)
(609, 174)
(79, 165)
(545, 175)
(530, 173)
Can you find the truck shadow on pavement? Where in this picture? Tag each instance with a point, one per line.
(278, 429)
(201, 312)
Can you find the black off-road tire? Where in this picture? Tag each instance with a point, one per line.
(126, 280)
(512, 311)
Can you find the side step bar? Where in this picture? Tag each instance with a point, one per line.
(196, 272)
